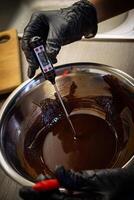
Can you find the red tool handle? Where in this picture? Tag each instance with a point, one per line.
(49, 184)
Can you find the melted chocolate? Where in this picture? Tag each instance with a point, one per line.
(49, 142)
(95, 141)
(95, 147)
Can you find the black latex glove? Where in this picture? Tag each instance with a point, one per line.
(58, 28)
(111, 184)
(28, 193)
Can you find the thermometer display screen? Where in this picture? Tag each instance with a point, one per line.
(42, 58)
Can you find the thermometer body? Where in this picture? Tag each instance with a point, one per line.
(46, 66)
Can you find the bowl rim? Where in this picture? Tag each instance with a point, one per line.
(3, 162)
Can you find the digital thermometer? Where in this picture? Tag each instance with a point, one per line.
(46, 66)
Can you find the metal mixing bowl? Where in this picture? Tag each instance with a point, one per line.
(18, 112)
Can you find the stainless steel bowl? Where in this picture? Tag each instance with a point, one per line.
(18, 112)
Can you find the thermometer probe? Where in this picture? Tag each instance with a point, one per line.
(37, 46)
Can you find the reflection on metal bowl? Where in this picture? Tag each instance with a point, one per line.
(100, 100)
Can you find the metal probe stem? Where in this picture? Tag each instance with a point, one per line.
(66, 113)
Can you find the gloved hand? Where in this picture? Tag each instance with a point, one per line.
(43, 190)
(59, 28)
(112, 184)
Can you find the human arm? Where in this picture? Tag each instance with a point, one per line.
(109, 8)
